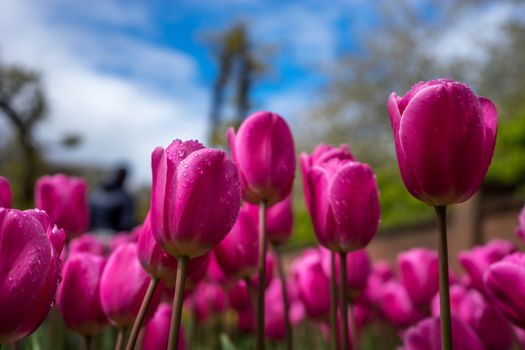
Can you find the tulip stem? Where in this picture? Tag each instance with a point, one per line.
(176, 315)
(120, 338)
(353, 331)
(333, 303)
(259, 332)
(286, 302)
(251, 291)
(343, 300)
(444, 297)
(142, 313)
(89, 341)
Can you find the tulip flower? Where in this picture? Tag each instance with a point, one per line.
(478, 259)
(396, 305)
(343, 200)
(5, 193)
(312, 284)
(520, 230)
(426, 336)
(444, 138)
(419, 273)
(504, 283)
(237, 254)
(157, 330)
(65, 200)
(88, 243)
(263, 150)
(123, 286)
(239, 296)
(78, 296)
(30, 271)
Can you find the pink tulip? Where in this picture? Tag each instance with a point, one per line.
(195, 198)
(29, 271)
(78, 297)
(426, 335)
(263, 149)
(520, 230)
(445, 137)
(214, 272)
(207, 300)
(396, 305)
(478, 259)
(238, 254)
(65, 200)
(157, 330)
(313, 284)
(381, 273)
(87, 243)
(123, 285)
(505, 284)
(239, 296)
(343, 201)
(5, 193)
(419, 273)
(357, 270)
(121, 238)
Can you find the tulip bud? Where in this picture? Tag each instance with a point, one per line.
(343, 201)
(478, 259)
(195, 198)
(156, 331)
(207, 300)
(237, 254)
(123, 285)
(505, 287)
(426, 335)
(419, 273)
(78, 297)
(65, 200)
(30, 271)
(444, 137)
(5, 193)
(263, 150)
(396, 305)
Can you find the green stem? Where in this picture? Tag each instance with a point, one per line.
(444, 297)
(259, 331)
(343, 298)
(120, 338)
(286, 303)
(176, 313)
(353, 331)
(333, 303)
(142, 313)
(251, 291)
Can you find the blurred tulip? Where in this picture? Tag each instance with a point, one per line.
(444, 137)
(237, 254)
(357, 270)
(121, 238)
(65, 201)
(478, 259)
(246, 320)
(279, 220)
(419, 273)
(87, 243)
(239, 296)
(504, 282)
(78, 296)
(313, 284)
(123, 285)
(208, 299)
(343, 200)
(426, 335)
(157, 330)
(214, 272)
(380, 274)
(29, 271)
(195, 198)
(520, 230)
(263, 150)
(5, 193)
(397, 306)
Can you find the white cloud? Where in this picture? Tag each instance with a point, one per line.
(120, 117)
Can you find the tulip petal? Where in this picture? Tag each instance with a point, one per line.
(321, 213)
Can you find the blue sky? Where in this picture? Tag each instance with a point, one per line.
(132, 75)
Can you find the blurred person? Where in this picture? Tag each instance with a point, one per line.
(112, 207)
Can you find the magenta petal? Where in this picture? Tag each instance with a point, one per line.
(440, 134)
(5, 193)
(321, 213)
(354, 200)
